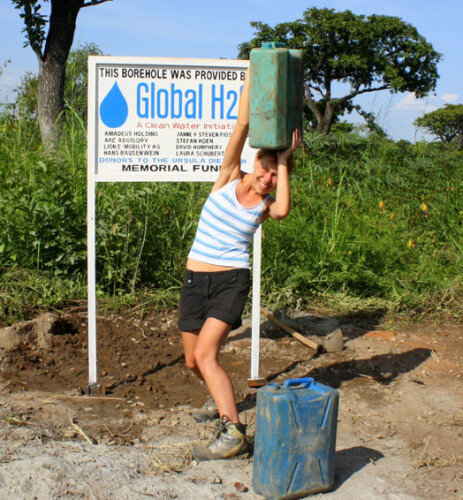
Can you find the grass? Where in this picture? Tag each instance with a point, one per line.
(24, 292)
(372, 221)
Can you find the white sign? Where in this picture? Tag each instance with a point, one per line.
(160, 119)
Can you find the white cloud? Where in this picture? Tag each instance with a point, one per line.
(450, 98)
(411, 102)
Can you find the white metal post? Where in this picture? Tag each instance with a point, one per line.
(256, 269)
(91, 279)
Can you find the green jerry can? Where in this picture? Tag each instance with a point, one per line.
(276, 97)
(295, 439)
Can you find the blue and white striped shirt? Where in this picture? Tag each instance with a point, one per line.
(225, 229)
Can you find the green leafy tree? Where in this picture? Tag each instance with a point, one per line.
(75, 88)
(446, 123)
(26, 104)
(3, 106)
(366, 54)
(52, 49)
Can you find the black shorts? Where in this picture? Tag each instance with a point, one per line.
(221, 295)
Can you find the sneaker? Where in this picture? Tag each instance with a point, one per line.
(207, 413)
(229, 441)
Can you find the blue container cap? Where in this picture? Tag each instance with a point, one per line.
(273, 45)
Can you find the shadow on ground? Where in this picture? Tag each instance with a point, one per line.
(353, 325)
(383, 368)
(351, 460)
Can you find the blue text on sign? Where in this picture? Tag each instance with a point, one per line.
(177, 103)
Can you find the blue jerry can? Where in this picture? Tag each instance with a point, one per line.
(295, 439)
(276, 96)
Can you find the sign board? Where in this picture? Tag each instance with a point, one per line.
(162, 119)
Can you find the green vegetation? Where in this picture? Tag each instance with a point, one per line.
(372, 220)
(365, 53)
(446, 123)
(51, 38)
(375, 224)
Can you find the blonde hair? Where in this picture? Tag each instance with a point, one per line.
(272, 153)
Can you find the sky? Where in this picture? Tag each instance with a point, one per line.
(214, 29)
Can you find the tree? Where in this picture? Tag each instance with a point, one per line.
(52, 51)
(75, 87)
(367, 54)
(446, 123)
(75, 90)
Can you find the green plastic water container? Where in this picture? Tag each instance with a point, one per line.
(295, 439)
(276, 95)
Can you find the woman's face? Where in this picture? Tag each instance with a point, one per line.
(266, 175)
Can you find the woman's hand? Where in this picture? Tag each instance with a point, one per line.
(284, 154)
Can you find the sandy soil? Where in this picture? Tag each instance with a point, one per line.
(400, 427)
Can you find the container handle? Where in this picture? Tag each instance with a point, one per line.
(305, 382)
(272, 45)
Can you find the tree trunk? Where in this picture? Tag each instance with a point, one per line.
(328, 118)
(325, 121)
(50, 103)
(52, 67)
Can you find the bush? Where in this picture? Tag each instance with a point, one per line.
(370, 218)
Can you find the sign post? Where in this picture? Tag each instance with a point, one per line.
(160, 120)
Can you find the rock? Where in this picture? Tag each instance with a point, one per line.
(9, 338)
(334, 342)
(241, 487)
(44, 325)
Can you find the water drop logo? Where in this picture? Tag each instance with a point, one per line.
(113, 108)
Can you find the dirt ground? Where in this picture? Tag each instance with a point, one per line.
(400, 425)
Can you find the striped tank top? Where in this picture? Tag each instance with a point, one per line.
(225, 229)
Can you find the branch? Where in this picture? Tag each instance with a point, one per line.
(318, 89)
(311, 104)
(38, 53)
(328, 90)
(33, 26)
(358, 92)
(95, 2)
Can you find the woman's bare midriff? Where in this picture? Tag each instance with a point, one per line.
(203, 267)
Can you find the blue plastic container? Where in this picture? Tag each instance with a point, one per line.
(276, 97)
(295, 440)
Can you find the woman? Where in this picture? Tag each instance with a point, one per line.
(217, 279)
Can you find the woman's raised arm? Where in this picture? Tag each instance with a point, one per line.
(230, 169)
